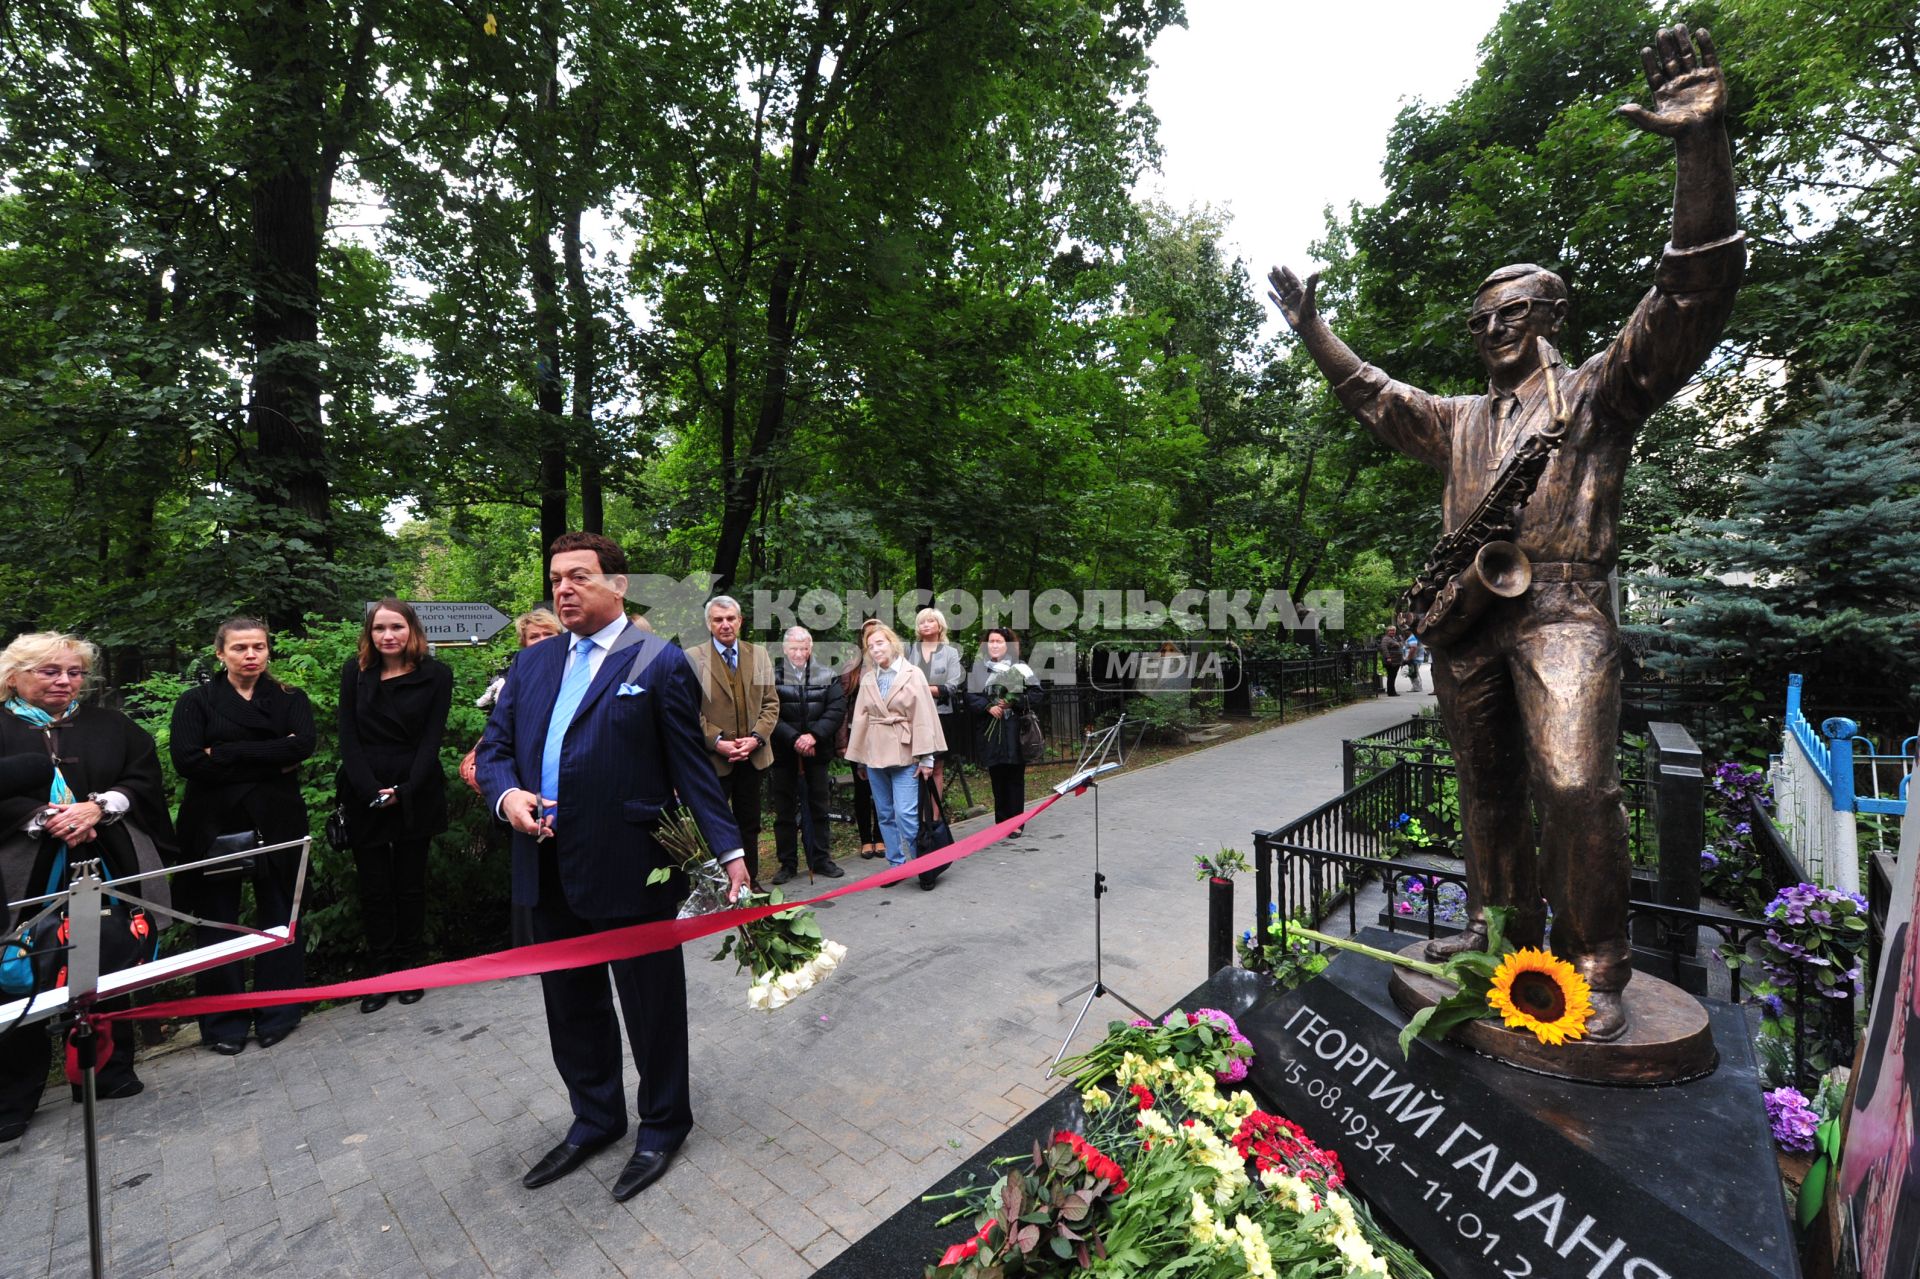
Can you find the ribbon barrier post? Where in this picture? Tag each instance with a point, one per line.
(72, 1005)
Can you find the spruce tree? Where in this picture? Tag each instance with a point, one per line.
(1817, 570)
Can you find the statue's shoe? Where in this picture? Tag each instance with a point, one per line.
(1441, 949)
(1609, 1019)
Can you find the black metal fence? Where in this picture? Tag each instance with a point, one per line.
(1324, 861)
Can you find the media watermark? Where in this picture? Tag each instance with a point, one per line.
(1156, 646)
(1170, 666)
(676, 606)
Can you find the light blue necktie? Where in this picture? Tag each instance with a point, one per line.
(572, 689)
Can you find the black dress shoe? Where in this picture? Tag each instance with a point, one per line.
(268, 1041)
(411, 996)
(12, 1132)
(645, 1168)
(784, 874)
(830, 869)
(560, 1161)
(372, 1003)
(230, 1047)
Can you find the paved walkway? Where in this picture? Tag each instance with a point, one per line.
(393, 1144)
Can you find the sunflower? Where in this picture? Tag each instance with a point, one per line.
(1535, 991)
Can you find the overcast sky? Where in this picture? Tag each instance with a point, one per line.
(1271, 110)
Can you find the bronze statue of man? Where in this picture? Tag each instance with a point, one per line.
(1531, 693)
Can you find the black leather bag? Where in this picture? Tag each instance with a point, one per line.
(1033, 742)
(127, 938)
(934, 833)
(237, 842)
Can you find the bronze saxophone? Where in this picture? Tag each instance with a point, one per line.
(1477, 563)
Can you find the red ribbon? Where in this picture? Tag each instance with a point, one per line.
(574, 952)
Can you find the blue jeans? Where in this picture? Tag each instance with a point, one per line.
(896, 801)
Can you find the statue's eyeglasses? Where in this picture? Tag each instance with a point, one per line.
(1510, 314)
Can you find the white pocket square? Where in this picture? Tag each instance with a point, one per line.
(631, 690)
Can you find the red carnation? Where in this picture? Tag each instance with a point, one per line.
(1142, 1095)
(1096, 1163)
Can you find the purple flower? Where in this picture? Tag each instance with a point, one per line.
(1707, 859)
(1219, 1019)
(1776, 1007)
(1793, 1123)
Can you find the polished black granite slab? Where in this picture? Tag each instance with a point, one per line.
(1491, 1172)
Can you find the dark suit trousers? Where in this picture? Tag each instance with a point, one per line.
(586, 1037)
(812, 825)
(218, 898)
(742, 788)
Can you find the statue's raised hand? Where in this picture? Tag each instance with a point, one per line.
(1294, 299)
(1689, 90)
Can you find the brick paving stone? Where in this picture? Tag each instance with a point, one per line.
(985, 1128)
(825, 1249)
(773, 1259)
(190, 1214)
(678, 1227)
(245, 1213)
(791, 1220)
(792, 1175)
(201, 1254)
(713, 1260)
(303, 1209)
(856, 1180)
(258, 1251)
(131, 1261)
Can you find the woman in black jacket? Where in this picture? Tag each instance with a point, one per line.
(238, 741)
(394, 700)
(1001, 689)
(105, 800)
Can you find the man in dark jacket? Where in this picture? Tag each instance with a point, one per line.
(812, 707)
(1393, 651)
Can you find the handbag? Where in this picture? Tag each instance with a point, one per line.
(336, 829)
(1033, 742)
(34, 958)
(236, 842)
(934, 833)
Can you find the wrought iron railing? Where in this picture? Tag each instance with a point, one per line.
(1295, 879)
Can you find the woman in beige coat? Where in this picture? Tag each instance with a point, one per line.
(895, 735)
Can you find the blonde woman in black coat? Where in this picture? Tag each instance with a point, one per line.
(239, 741)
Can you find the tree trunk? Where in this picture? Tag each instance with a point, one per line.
(586, 332)
(548, 313)
(288, 471)
(743, 476)
(923, 561)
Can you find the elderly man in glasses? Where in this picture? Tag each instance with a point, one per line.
(1531, 693)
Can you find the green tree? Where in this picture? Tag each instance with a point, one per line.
(1815, 570)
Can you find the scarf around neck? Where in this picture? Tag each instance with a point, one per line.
(59, 792)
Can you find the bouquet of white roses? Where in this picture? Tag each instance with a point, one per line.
(786, 952)
(1006, 685)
